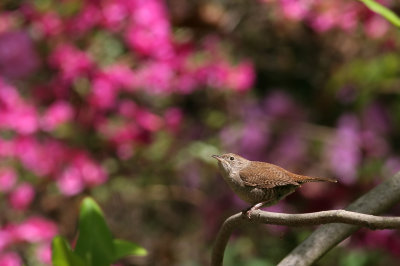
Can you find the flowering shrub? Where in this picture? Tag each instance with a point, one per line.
(127, 99)
(74, 70)
(327, 15)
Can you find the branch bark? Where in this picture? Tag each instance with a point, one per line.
(324, 238)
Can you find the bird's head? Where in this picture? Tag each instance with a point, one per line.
(231, 162)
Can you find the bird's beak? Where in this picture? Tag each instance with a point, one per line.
(219, 158)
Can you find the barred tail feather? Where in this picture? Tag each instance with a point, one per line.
(305, 179)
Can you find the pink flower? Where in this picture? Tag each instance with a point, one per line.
(35, 156)
(91, 173)
(6, 237)
(104, 93)
(114, 12)
(49, 24)
(22, 118)
(43, 253)
(6, 21)
(155, 77)
(324, 21)
(214, 75)
(127, 108)
(10, 259)
(70, 181)
(36, 229)
(344, 151)
(9, 96)
(57, 114)
(121, 75)
(8, 178)
(22, 196)
(18, 57)
(88, 17)
(149, 33)
(241, 77)
(173, 118)
(294, 9)
(150, 41)
(70, 61)
(376, 26)
(6, 148)
(148, 120)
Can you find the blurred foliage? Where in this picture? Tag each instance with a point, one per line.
(95, 245)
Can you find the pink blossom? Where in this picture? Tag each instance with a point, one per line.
(8, 178)
(70, 181)
(241, 77)
(91, 173)
(36, 229)
(376, 26)
(186, 82)
(345, 149)
(148, 41)
(294, 9)
(15, 113)
(9, 96)
(6, 21)
(43, 253)
(215, 74)
(121, 75)
(70, 61)
(6, 148)
(49, 24)
(23, 119)
(18, 57)
(173, 118)
(58, 113)
(88, 17)
(7, 236)
(22, 196)
(113, 14)
(324, 21)
(155, 77)
(103, 94)
(121, 132)
(127, 108)
(35, 156)
(149, 33)
(10, 259)
(147, 120)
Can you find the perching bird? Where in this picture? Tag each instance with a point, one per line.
(259, 183)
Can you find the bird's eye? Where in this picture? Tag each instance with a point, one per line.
(231, 158)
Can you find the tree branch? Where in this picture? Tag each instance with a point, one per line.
(324, 238)
(376, 201)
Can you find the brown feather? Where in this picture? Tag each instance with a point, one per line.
(305, 179)
(265, 175)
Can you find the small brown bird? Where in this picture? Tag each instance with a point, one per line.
(259, 183)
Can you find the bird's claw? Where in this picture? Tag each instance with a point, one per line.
(247, 213)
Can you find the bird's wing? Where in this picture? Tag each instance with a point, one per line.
(264, 175)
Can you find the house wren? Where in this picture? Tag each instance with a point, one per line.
(259, 183)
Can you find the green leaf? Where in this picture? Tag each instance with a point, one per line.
(62, 254)
(383, 11)
(95, 242)
(124, 248)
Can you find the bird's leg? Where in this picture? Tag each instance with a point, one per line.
(256, 206)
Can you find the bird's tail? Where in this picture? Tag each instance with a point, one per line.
(305, 179)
